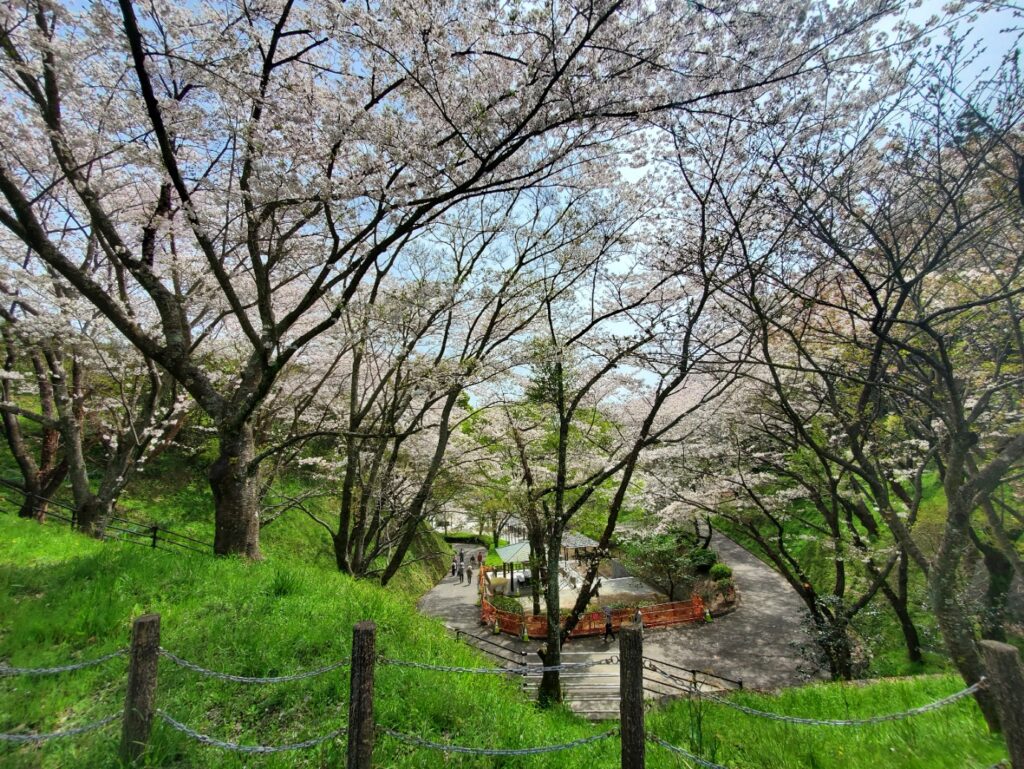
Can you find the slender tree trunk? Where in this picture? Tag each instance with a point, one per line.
(39, 481)
(899, 600)
(88, 510)
(537, 551)
(235, 486)
(550, 690)
(417, 510)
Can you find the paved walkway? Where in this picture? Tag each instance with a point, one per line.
(759, 643)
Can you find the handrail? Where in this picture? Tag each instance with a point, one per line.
(693, 671)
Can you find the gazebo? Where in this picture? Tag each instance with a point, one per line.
(510, 555)
(579, 545)
(574, 547)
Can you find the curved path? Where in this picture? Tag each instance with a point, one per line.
(760, 643)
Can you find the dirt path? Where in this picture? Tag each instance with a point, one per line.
(759, 643)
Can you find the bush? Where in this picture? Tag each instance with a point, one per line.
(720, 572)
(702, 559)
(468, 538)
(507, 603)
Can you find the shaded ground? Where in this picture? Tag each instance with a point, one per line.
(759, 643)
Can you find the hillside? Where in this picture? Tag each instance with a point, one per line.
(64, 597)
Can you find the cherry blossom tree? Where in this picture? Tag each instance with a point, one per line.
(94, 391)
(900, 298)
(243, 168)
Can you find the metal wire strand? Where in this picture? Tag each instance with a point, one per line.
(684, 753)
(206, 739)
(180, 662)
(522, 670)
(9, 671)
(419, 742)
(23, 738)
(828, 722)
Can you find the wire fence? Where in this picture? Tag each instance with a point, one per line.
(119, 528)
(6, 670)
(927, 708)
(184, 663)
(358, 723)
(73, 732)
(685, 753)
(205, 739)
(523, 670)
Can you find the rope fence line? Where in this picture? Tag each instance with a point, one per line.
(37, 737)
(937, 704)
(206, 739)
(419, 742)
(6, 671)
(184, 663)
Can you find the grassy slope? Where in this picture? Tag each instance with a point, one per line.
(954, 736)
(64, 597)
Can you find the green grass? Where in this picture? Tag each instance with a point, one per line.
(954, 736)
(65, 597)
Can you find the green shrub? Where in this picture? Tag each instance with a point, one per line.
(720, 572)
(507, 603)
(702, 559)
(468, 538)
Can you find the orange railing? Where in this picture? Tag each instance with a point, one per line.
(592, 623)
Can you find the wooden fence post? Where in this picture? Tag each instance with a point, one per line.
(360, 707)
(1005, 676)
(631, 696)
(140, 702)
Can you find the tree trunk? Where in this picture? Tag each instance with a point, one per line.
(418, 507)
(39, 488)
(550, 690)
(537, 550)
(898, 599)
(838, 650)
(87, 509)
(949, 606)
(235, 487)
(1000, 575)
(92, 515)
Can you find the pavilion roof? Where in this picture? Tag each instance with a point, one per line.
(572, 539)
(518, 552)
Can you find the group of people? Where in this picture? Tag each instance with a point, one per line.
(463, 570)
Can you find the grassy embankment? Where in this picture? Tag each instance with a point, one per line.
(65, 597)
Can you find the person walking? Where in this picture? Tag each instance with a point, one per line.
(461, 571)
(469, 574)
(462, 556)
(638, 620)
(455, 565)
(608, 624)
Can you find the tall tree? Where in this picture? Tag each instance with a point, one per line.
(268, 157)
(901, 297)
